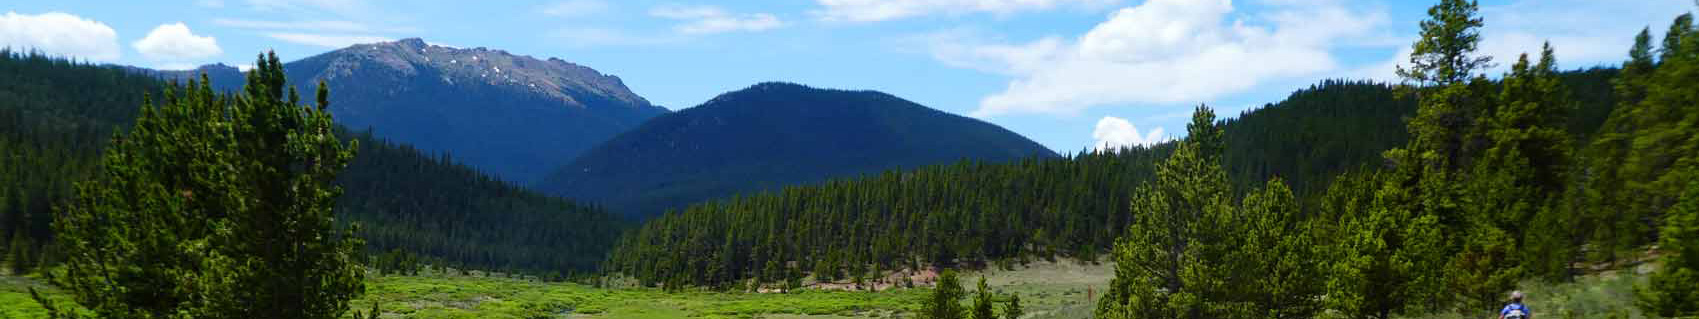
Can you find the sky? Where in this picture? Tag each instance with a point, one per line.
(1072, 75)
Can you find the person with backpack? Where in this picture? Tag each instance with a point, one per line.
(1515, 310)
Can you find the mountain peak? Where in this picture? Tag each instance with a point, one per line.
(552, 78)
(770, 135)
(413, 42)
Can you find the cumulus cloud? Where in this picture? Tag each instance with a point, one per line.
(60, 34)
(325, 40)
(175, 42)
(705, 19)
(881, 10)
(1115, 133)
(1164, 52)
(574, 8)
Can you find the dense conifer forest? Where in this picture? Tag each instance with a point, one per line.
(414, 206)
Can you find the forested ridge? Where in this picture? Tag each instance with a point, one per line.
(1068, 207)
(772, 135)
(414, 206)
(968, 211)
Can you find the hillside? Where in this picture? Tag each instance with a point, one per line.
(513, 116)
(56, 116)
(772, 135)
(1336, 126)
(1071, 206)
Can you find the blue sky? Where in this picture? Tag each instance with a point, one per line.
(1069, 74)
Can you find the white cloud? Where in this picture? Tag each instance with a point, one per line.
(1114, 133)
(59, 34)
(575, 8)
(704, 19)
(325, 40)
(175, 42)
(881, 10)
(1164, 52)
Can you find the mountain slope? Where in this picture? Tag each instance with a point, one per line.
(56, 116)
(772, 135)
(513, 116)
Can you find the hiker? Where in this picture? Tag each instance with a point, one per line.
(1515, 310)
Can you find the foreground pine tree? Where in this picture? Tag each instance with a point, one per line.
(944, 303)
(214, 206)
(1674, 291)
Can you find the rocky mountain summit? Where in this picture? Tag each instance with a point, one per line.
(515, 116)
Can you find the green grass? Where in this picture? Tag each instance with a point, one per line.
(449, 296)
(15, 301)
(1605, 295)
(1048, 290)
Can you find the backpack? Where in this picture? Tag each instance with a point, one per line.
(1515, 311)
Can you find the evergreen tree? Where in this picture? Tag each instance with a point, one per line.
(1674, 290)
(944, 303)
(1279, 257)
(982, 303)
(1615, 225)
(1442, 56)
(1013, 310)
(215, 206)
(1390, 259)
(1173, 261)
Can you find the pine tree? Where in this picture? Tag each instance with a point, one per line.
(1172, 261)
(1443, 61)
(1674, 290)
(215, 206)
(1605, 205)
(1279, 259)
(1391, 258)
(1514, 229)
(982, 303)
(1450, 34)
(944, 303)
(1012, 309)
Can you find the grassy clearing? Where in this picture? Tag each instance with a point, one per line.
(1062, 289)
(1044, 289)
(1608, 294)
(1048, 290)
(15, 300)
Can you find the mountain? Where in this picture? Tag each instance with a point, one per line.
(772, 135)
(513, 116)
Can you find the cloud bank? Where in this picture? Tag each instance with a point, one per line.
(59, 34)
(1164, 52)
